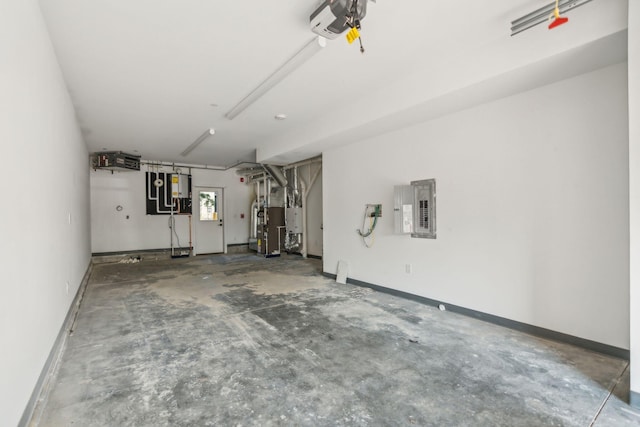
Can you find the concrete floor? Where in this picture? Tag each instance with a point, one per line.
(243, 340)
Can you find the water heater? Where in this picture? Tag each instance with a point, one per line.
(179, 186)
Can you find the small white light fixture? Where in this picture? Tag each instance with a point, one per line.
(302, 56)
(280, 116)
(198, 141)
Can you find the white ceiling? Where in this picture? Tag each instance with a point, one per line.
(150, 76)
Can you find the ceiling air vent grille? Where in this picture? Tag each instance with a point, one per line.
(115, 160)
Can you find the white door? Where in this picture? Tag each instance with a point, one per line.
(208, 225)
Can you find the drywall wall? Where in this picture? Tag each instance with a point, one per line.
(314, 212)
(311, 176)
(532, 207)
(45, 218)
(132, 229)
(237, 201)
(438, 80)
(634, 195)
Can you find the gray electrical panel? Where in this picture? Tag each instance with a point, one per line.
(415, 209)
(294, 220)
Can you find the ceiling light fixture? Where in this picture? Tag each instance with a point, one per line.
(541, 15)
(198, 141)
(280, 116)
(302, 56)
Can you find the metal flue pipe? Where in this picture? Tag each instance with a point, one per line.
(277, 174)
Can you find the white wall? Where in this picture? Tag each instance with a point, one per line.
(45, 214)
(237, 200)
(111, 231)
(314, 215)
(634, 179)
(314, 206)
(532, 207)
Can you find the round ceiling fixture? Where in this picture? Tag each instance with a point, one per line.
(280, 116)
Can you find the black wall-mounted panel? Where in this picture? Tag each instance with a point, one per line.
(158, 197)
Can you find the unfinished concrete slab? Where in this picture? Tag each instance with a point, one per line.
(243, 340)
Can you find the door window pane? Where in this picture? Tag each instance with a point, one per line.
(208, 206)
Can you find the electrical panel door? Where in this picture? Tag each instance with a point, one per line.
(415, 209)
(403, 209)
(424, 208)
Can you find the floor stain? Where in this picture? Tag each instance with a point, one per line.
(244, 340)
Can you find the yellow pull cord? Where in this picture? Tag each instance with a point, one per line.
(556, 11)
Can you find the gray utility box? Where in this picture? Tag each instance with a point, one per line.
(415, 209)
(294, 220)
